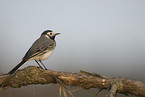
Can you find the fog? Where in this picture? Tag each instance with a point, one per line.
(102, 36)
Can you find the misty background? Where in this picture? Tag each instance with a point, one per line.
(102, 36)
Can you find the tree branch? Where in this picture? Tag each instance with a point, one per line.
(35, 75)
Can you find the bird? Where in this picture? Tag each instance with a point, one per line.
(40, 50)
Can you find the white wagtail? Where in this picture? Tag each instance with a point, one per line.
(41, 49)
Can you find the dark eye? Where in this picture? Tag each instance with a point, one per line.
(50, 33)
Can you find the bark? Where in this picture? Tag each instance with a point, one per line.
(35, 75)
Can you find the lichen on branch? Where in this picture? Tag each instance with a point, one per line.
(35, 75)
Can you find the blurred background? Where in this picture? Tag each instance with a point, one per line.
(102, 36)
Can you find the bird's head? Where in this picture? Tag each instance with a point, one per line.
(49, 34)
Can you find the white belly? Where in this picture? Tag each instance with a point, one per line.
(45, 56)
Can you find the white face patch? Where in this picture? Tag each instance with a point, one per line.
(47, 36)
(50, 34)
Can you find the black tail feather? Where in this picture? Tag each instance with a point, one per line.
(17, 67)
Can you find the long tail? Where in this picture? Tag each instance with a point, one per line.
(17, 67)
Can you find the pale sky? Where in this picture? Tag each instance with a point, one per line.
(102, 36)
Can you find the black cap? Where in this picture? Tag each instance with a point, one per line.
(46, 31)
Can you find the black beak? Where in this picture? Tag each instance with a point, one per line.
(57, 34)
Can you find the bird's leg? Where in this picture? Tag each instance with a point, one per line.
(39, 64)
(43, 65)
